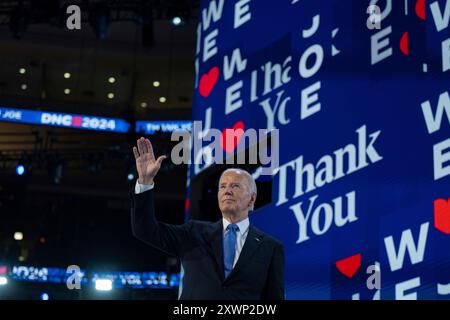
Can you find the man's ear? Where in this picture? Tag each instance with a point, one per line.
(252, 200)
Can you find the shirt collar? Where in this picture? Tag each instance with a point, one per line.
(243, 224)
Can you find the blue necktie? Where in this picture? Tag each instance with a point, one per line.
(229, 248)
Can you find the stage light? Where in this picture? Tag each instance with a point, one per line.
(162, 99)
(143, 104)
(67, 75)
(44, 296)
(176, 21)
(23, 86)
(130, 176)
(18, 235)
(111, 79)
(178, 13)
(156, 84)
(3, 281)
(110, 95)
(22, 70)
(67, 91)
(103, 285)
(20, 170)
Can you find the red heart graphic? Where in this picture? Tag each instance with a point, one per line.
(3, 270)
(232, 136)
(404, 44)
(350, 265)
(442, 215)
(420, 9)
(76, 121)
(208, 81)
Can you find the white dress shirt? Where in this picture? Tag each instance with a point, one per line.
(142, 187)
(241, 234)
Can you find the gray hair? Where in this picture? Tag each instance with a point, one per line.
(251, 184)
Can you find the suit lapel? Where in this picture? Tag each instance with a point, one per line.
(217, 246)
(252, 242)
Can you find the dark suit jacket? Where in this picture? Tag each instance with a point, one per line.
(258, 273)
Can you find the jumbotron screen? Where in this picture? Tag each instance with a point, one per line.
(359, 94)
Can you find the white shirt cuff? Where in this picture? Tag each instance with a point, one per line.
(143, 187)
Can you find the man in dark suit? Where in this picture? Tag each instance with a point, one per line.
(229, 259)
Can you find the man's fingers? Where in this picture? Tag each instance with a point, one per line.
(149, 147)
(140, 146)
(160, 160)
(136, 153)
(144, 145)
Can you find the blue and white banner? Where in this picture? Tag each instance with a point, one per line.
(76, 121)
(150, 127)
(66, 120)
(136, 280)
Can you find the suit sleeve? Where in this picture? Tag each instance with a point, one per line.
(166, 237)
(274, 287)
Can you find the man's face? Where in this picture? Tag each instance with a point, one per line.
(234, 196)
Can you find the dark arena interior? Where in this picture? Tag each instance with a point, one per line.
(64, 192)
